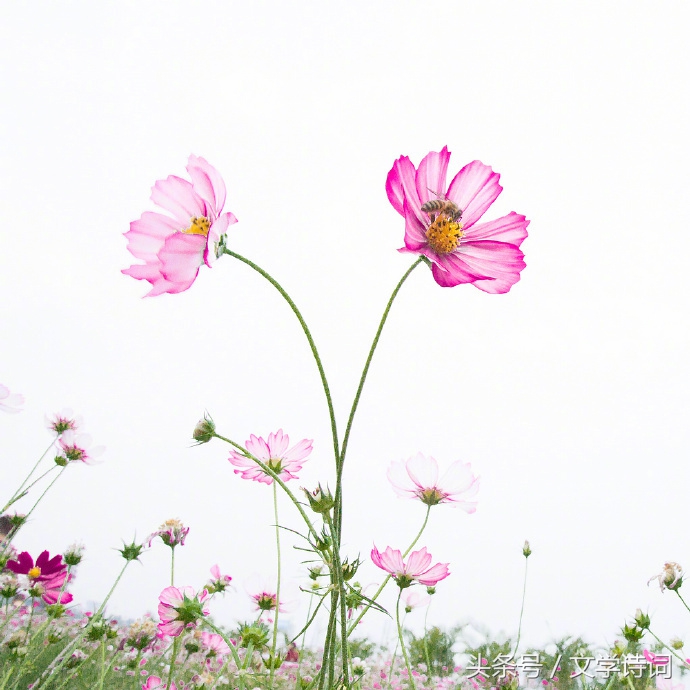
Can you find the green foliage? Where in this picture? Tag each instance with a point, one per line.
(434, 649)
(362, 648)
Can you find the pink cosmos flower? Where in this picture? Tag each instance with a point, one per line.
(180, 608)
(46, 577)
(441, 222)
(415, 570)
(63, 421)
(413, 600)
(78, 447)
(215, 643)
(172, 533)
(266, 601)
(173, 249)
(10, 402)
(156, 683)
(274, 453)
(218, 581)
(418, 478)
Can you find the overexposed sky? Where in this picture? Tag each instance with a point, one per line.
(568, 395)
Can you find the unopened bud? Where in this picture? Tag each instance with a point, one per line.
(205, 430)
(526, 551)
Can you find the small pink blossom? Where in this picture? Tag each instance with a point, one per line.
(275, 454)
(180, 608)
(63, 421)
(11, 403)
(172, 533)
(46, 577)
(412, 600)
(415, 570)
(156, 683)
(441, 222)
(215, 643)
(218, 581)
(418, 478)
(173, 249)
(266, 601)
(77, 447)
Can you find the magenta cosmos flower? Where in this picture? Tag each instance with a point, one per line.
(275, 454)
(415, 570)
(418, 478)
(46, 576)
(10, 402)
(180, 608)
(173, 249)
(441, 222)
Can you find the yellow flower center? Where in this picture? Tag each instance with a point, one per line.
(34, 573)
(444, 235)
(199, 226)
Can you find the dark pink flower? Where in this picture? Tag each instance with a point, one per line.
(274, 453)
(46, 577)
(173, 249)
(418, 478)
(172, 533)
(417, 568)
(441, 222)
(219, 582)
(180, 608)
(10, 402)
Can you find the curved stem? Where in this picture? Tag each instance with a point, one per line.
(670, 649)
(402, 642)
(28, 476)
(360, 387)
(312, 345)
(275, 618)
(388, 577)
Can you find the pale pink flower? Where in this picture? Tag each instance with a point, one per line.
(218, 582)
(275, 454)
(418, 478)
(172, 533)
(10, 402)
(413, 600)
(156, 683)
(417, 568)
(215, 643)
(63, 421)
(77, 447)
(173, 249)
(671, 577)
(441, 222)
(180, 608)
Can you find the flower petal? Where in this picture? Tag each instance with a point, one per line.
(430, 180)
(511, 229)
(434, 574)
(423, 471)
(181, 257)
(450, 270)
(418, 562)
(208, 183)
(498, 260)
(401, 185)
(474, 189)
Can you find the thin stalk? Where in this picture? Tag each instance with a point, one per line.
(233, 651)
(176, 644)
(522, 608)
(275, 618)
(402, 642)
(681, 598)
(307, 333)
(172, 566)
(340, 581)
(300, 655)
(28, 476)
(360, 387)
(426, 645)
(670, 649)
(103, 669)
(388, 577)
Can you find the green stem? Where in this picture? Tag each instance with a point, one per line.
(172, 566)
(402, 642)
(360, 387)
(340, 581)
(103, 669)
(275, 618)
(176, 644)
(681, 598)
(269, 471)
(312, 345)
(670, 649)
(233, 651)
(388, 577)
(426, 645)
(28, 476)
(522, 608)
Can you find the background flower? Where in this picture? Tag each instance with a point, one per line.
(179, 608)
(461, 251)
(173, 249)
(417, 477)
(417, 568)
(10, 402)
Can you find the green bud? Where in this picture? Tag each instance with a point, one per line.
(320, 501)
(205, 430)
(526, 551)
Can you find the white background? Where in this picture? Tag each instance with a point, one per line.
(568, 395)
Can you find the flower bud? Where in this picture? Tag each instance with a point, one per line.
(676, 643)
(632, 633)
(526, 551)
(431, 590)
(205, 430)
(73, 554)
(315, 572)
(131, 552)
(320, 501)
(642, 620)
(349, 569)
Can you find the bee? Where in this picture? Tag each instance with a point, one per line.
(442, 206)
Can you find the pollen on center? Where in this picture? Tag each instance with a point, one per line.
(200, 226)
(444, 235)
(34, 572)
